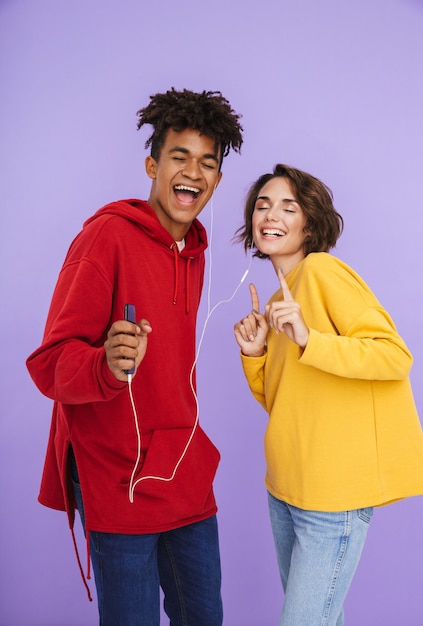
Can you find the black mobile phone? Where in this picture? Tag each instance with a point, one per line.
(129, 315)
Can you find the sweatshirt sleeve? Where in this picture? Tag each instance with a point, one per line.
(381, 355)
(70, 365)
(254, 372)
(363, 342)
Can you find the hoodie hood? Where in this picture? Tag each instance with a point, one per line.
(140, 213)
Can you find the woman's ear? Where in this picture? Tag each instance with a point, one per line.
(151, 167)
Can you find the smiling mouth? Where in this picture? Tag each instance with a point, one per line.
(271, 232)
(185, 193)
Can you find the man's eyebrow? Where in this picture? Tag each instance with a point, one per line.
(186, 151)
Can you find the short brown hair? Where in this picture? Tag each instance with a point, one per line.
(324, 224)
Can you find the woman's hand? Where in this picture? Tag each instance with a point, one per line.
(251, 331)
(286, 316)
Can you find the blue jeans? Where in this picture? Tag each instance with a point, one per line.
(317, 554)
(129, 569)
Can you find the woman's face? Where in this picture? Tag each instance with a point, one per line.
(278, 224)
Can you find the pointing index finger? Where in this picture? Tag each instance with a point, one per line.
(255, 304)
(287, 295)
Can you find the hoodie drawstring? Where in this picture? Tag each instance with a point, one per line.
(175, 257)
(187, 277)
(80, 564)
(87, 532)
(187, 292)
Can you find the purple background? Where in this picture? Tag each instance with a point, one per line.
(332, 87)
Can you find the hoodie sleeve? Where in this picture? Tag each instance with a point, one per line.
(70, 365)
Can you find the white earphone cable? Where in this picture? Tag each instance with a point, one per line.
(210, 312)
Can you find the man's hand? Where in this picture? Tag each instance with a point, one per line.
(125, 346)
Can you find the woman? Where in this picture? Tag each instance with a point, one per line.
(327, 364)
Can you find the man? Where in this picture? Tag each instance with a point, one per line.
(127, 451)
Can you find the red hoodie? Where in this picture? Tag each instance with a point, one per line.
(124, 255)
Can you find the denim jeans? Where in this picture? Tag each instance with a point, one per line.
(129, 569)
(317, 554)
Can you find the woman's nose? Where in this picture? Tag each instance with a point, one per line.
(271, 215)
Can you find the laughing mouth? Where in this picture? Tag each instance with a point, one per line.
(185, 193)
(272, 232)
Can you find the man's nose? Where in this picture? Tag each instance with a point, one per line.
(192, 169)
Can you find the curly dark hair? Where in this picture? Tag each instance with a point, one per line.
(324, 224)
(208, 112)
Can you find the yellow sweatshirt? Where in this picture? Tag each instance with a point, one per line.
(343, 430)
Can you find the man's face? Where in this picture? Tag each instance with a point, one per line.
(184, 178)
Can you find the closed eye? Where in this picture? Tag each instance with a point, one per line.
(259, 206)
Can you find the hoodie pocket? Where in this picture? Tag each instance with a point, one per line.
(170, 489)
